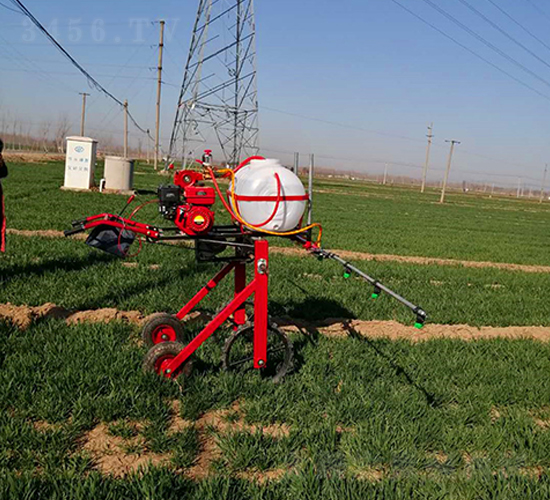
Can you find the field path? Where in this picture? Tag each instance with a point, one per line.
(347, 254)
(24, 316)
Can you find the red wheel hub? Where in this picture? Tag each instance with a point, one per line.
(164, 333)
(162, 365)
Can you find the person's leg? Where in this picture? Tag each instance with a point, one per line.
(2, 222)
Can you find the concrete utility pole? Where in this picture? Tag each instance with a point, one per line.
(296, 163)
(385, 174)
(83, 119)
(159, 90)
(518, 194)
(543, 183)
(444, 188)
(310, 188)
(125, 129)
(425, 173)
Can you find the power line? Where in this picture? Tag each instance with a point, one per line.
(485, 41)
(538, 9)
(75, 63)
(460, 44)
(505, 33)
(530, 33)
(9, 8)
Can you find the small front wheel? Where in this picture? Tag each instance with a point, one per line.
(158, 359)
(162, 328)
(238, 352)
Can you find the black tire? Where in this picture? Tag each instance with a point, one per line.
(239, 348)
(162, 353)
(162, 328)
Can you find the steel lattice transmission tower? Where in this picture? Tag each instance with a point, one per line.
(218, 103)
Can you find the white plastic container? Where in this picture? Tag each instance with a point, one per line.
(80, 163)
(119, 173)
(257, 190)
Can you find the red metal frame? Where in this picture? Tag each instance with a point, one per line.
(258, 286)
(121, 223)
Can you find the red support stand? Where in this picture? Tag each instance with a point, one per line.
(257, 287)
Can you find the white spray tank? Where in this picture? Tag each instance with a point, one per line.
(269, 196)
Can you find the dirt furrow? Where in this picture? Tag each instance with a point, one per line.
(351, 255)
(24, 316)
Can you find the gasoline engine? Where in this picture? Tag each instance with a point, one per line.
(188, 203)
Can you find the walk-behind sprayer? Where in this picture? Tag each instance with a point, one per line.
(263, 199)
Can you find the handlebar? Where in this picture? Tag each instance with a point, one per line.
(76, 230)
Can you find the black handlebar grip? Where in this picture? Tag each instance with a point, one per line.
(77, 230)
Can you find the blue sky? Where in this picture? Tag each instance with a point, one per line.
(365, 63)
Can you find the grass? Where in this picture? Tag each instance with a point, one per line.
(465, 426)
(366, 418)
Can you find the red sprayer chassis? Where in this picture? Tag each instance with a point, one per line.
(256, 341)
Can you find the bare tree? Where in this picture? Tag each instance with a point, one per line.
(44, 134)
(61, 132)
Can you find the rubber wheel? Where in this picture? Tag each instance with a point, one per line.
(159, 357)
(238, 352)
(162, 328)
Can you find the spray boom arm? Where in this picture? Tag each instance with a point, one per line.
(322, 254)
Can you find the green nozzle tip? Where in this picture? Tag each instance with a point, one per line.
(418, 326)
(347, 275)
(375, 295)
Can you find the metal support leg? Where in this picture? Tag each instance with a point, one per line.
(261, 269)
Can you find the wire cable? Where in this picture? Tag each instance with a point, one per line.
(538, 9)
(91, 80)
(485, 42)
(484, 59)
(9, 8)
(503, 32)
(515, 21)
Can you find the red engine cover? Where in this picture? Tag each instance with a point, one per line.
(199, 195)
(194, 220)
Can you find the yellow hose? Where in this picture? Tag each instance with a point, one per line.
(235, 212)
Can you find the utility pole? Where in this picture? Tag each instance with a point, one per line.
(83, 119)
(310, 188)
(159, 90)
(126, 129)
(543, 183)
(425, 173)
(385, 174)
(519, 188)
(296, 163)
(444, 188)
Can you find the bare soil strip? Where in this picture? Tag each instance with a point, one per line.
(111, 454)
(393, 330)
(24, 316)
(347, 254)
